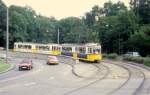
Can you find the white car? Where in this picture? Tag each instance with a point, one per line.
(3, 56)
(52, 60)
(136, 54)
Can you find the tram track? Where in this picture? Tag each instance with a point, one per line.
(142, 83)
(118, 88)
(128, 68)
(73, 63)
(91, 83)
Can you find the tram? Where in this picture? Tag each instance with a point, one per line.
(53, 49)
(87, 52)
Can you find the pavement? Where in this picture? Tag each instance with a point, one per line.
(85, 70)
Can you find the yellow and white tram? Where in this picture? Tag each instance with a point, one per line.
(88, 52)
(53, 49)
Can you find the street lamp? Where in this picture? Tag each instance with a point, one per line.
(7, 34)
(58, 36)
(7, 30)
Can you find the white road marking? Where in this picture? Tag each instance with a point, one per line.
(30, 83)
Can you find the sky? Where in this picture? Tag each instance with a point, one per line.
(60, 8)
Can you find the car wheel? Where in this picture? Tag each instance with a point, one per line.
(29, 68)
(20, 69)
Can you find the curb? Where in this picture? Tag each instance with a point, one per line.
(140, 65)
(9, 69)
(133, 63)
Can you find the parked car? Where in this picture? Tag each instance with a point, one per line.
(136, 54)
(25, 64)
(52, 60)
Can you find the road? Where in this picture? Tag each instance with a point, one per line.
(69, 78)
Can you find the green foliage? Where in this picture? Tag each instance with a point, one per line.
(74, 30)
(141, 40)
(104, 55)
(147, 61)
(140, 60)
(2, 23)
(111, 9)
(134, 59)
(3, 66)
(110, 56)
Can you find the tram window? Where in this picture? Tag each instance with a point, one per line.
(47, 48)
(89, 50)
(69, 49)
(37, 47)
(96, 51)
(63, 48)
(29, 46)
(76, 49)
(19, 46)
(25, 46)
(52, 48)
(43, 48)
(82, 50)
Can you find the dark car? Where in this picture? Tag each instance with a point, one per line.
(25, 64)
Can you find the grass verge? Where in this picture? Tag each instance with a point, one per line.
(140, 60)
(4, 66)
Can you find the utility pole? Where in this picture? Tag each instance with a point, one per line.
(7, 35)
(78, 38)
(58, 36)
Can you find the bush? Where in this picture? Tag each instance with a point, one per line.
(147, 62)
(104, 55)
(112, 56)
(134, 59)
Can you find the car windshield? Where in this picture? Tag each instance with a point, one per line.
(25, 61)
(52, 57)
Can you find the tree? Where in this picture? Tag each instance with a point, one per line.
(71, 29)
(111, 9)
(142, 9)
(141, 40)
(2, 23)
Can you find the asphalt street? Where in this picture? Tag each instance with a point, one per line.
(71, 78)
